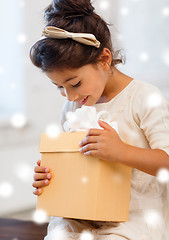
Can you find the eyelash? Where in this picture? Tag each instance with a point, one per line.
(74, 86)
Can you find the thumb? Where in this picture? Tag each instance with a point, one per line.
(105, 125)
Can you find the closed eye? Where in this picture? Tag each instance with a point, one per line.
(76, 85)
(59, 87)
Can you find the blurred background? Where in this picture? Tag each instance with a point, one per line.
(29, 103)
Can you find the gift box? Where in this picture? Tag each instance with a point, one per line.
(82, 187)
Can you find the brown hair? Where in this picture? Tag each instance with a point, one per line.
(74, 16)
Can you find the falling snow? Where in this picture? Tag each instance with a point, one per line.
(18, 120)
(165, 56)
(104, 5)
(40, 216)
(52, 130)
(163, 175)
(21, 3)
(165, 11)
(12, 85)
(144, 56)
(124, 11)
(21, 38)
(23, 171)
(152, 218)
(86, 235)
(6, 189)
(84, 179)
(154, 100)
(1, 70)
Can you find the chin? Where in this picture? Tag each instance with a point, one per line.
(90, 104)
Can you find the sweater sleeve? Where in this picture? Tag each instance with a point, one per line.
(151, 112)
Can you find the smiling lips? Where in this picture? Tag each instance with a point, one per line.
(83, 101)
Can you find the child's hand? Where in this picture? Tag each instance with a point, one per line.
(41, 178)
(104, 144)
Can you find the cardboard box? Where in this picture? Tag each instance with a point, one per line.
(82, 187)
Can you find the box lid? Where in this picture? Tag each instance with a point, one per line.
(62, 143)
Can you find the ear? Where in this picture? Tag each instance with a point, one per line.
(105, 59)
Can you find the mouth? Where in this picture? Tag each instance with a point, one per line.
(83, 101)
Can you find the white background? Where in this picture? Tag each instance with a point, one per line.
(140, 27)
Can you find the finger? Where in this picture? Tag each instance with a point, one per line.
(88, 139)
(105, 125)
(40, 169)
(94, 132)
(89, 147)
(40, 183)
(38, 162)
(37, 191)
(42, 176)
(92, 153)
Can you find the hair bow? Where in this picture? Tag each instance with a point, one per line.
(58, 33)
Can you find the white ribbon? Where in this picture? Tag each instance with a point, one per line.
(87, 117)
(58, 33)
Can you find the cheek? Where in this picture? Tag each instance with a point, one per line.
(92, 86)
(97, 87)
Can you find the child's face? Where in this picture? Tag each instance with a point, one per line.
(84, 85)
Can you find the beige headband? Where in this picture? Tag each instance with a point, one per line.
(58, 33)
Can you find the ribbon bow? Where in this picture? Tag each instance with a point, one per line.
(58, 33)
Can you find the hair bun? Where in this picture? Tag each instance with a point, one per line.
(69, 8)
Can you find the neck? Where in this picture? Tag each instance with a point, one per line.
(116, 82)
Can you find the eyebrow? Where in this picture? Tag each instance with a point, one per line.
(67, 80)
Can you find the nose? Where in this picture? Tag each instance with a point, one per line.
(71, 96)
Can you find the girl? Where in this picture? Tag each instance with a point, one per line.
(77, 56)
